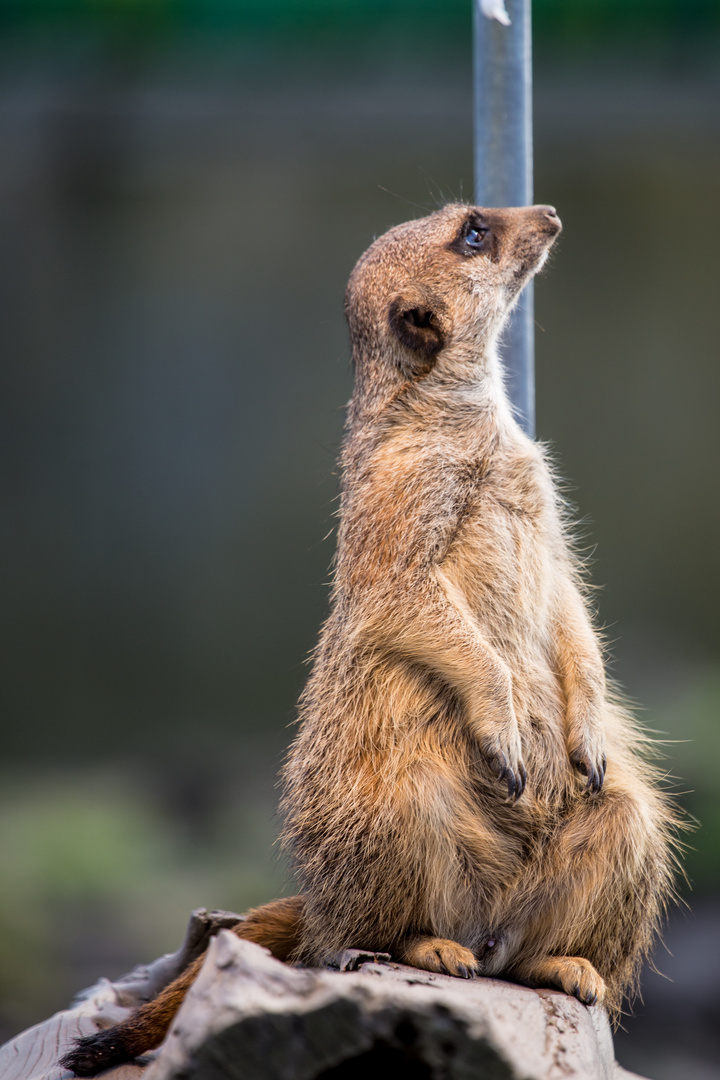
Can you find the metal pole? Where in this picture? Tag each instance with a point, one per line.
(504, 166)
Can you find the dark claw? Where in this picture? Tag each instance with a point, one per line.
(589, 998)
(595, 775)
(516, 783)
(596, 779)
(442, 964)
(500, 766)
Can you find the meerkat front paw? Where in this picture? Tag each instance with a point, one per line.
(440, 955)
(573, 974)
(505, 760)
(587, 755)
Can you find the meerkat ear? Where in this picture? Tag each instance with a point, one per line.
(418, 328)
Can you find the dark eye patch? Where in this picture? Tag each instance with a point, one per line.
(474, 238)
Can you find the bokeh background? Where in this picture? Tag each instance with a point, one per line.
(185, 186)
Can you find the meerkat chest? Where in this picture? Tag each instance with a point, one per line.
(504, 554)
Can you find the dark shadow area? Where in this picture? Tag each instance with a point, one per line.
(381, 1061)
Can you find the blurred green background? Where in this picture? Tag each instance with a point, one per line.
(185, 189)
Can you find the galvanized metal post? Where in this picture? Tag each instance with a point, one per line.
(504, 164)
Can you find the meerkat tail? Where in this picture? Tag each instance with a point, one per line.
(143, 1030)
(276, 926)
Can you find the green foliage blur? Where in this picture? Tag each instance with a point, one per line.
(97, 868)
(343, 16)
(185, 188)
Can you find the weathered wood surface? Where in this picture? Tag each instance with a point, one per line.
(252, 1018)
(34, 1054)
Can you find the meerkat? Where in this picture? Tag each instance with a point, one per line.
(464, 792)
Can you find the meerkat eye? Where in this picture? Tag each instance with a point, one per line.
(475, 237)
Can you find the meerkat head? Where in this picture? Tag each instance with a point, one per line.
(433, 295)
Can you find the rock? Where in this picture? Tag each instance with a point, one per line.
(250, 1017)
(34, 1054)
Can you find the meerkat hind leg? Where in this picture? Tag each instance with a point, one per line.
(441, 955)
(573, 974)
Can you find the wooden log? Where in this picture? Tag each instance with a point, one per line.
(34, 1054)
(249, 1017)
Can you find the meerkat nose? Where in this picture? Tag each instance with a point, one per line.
(550, 211)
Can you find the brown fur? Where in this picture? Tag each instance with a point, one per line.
(459, 659)
(460, 648)
(274, 926)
